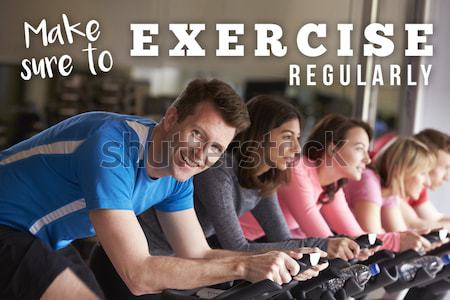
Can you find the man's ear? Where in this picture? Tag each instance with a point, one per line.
(170, 118)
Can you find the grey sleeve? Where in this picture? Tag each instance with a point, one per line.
(270, 216)
(214, 190)
(156, 240)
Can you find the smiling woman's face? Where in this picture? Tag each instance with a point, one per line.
(414, 183)
(354, 154)
(284, 145)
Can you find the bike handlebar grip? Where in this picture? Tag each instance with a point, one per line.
(436, 236)
(368, 241)
(309, 260)
(337, 264)
(379, 257)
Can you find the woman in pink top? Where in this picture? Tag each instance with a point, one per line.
(399, 172)
(313, 202)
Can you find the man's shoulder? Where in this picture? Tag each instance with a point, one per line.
(123, 130)
(118, 122)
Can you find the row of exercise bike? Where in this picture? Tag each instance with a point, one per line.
(342, 279)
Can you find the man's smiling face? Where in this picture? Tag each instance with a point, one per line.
(197, 142)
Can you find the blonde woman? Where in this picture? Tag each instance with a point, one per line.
(398, 173)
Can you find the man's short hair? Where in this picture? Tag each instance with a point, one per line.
(222, 96)
(434, 139)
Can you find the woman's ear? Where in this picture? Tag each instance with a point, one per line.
(170, 118)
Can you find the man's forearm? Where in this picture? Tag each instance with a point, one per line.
(220, 253)
(179, 273)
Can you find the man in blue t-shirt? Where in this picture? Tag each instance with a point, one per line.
(93, 173)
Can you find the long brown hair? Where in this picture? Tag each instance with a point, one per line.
(266, 113)
(315, 147)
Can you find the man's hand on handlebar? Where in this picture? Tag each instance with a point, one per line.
(298, 253)
(280, 267)
(313, 271)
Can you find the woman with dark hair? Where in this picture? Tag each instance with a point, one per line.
(259, 161)
(313, 202)
(246, 179)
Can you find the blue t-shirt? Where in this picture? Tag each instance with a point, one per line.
(94, 160)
